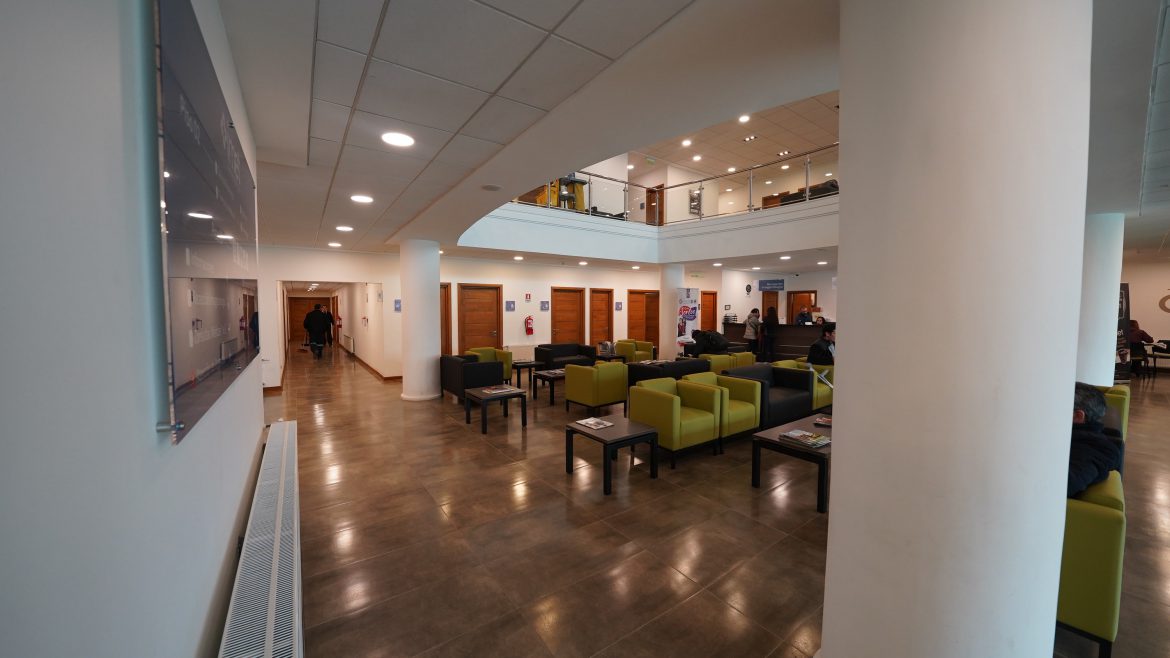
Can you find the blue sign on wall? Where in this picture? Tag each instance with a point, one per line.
(509, 306)
(397, 305)
(771, 285)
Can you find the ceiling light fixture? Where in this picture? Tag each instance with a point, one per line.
(767, 182)
(829, 174)
(636, 267)
(731, 203)
(440, 252)
(345, 229)
(783, 153)
(727, 190)
(629, 166)
(743, 118)
(822, 262)
(731, 170)
(335, 244)
(786, 258)
(397, 139)
(583, 262)
(749, 138)
(162, 204)
(517, 258)
(199, 215)
(686, 142)
(696, 158)
(361, 198)
(755, 268)
(224, 236)
(716, 264)
(784, 166)
(166, 174)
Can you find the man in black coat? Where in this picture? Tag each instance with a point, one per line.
(317, 325)
(824, 351)
(1095, 451)
(709, 342)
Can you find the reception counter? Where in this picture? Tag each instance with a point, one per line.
(791, 341)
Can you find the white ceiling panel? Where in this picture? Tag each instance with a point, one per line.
(545, 13)
(328, 121)
(340, 208)
(355, 159)
(336, 73)
(501, 120)
(544, 80)
(419, 195)
(323, 153)
(393, 91)
(458, 40)
(444, 173)
(468, 151)
(348, 23)
(300, 175)
(383, 188)
(366, 130)
(611, 27)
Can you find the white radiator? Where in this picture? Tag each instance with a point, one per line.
(228, 348)
(347, 343)
(264, 618)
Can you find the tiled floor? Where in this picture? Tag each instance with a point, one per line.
(421, 536)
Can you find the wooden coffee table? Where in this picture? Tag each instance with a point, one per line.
(624, 432)
(483, 397)
(771, 439)
(550, 377)
(518, 366)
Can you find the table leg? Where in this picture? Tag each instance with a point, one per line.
(483, 417)
(552, 391)
(755, 465)
(823, 487)
(568, 451)
(653, 457)
(467, 410)
(504, 404)
(607, 469)
(523, 411)
(532, 388)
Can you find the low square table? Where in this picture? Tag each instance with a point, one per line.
(611, 357)
(517, 366)
(624, 432)
(483, 397)
(771, 439)
(550, 377)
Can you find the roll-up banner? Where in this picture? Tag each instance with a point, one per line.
(1121, 369)
(688, 314)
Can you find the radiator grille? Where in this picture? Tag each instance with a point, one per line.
(264, 618)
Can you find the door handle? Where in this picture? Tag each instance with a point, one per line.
(493, 332)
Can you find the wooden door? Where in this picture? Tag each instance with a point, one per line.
(798, 298)
(652, 317)
(480, 319)
(636, 315)
(600, 315)
(708, 310)
(445, 317)
(656, 205)
(771, 298)
(568, 315)
(298, 308)
(334, 308)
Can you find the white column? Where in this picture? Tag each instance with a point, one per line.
(1100, 289)
(420, 319)
(671, 277)
(964, 143)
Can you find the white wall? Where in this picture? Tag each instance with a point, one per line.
(1149, 283)
(678, 199)
(605, 195)
(116, 543)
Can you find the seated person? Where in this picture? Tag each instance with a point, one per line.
(804, 317)
(709, 342)
(1095, 450)
(1138, 339)
(824, 351)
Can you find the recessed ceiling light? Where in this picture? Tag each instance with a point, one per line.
(696, 158)
(829, 174)
(345, 229)
(313, 284)
(629, 166)
(783, 153)
(166, 174)
(731, 170)
(361, 198)
(686, 142)
(517, 258)
(224, 236)
(716, 264)
(334, 244)
(786, 258)
(749, 138)
(162, 204)
(490, 187)
(727, 190)
(583, 262)
(743, 118)
(199, 215)
(636, 267)
(784, 166)
(397, 139)
(440, 252)
(767, 182)
(755, 268)
(822, 262)
(731, 203)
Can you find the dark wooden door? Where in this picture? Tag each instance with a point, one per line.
(708, 310)
(798, 298)
(445, 317)
(568, 315)
(771, 298)
(600, 315)
(479, 316)
(652, 317)
(656, 205)
(298, 308)
(636, 315)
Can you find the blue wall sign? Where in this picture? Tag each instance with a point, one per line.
(771, 285)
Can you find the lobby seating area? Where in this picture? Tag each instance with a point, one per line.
(685, 414)
(489, 354)
(634, 350)
(459, 373)
(596, 386)
(559, 355)
(786, 394)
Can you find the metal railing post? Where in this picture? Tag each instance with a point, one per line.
(751, 193)
(548, 196)
(700, 200)
(807, 175)
(588, 195)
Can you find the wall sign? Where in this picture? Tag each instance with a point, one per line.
(544, 306)
(771, 285)
(509, 306)
(527, 297)
(617, 306)
(397, 305)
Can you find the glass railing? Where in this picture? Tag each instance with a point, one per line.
(794, 178)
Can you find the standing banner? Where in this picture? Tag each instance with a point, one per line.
(1121, 368)
(688, 314)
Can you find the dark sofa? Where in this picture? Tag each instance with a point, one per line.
(676, 369)
(459, 373)
(551, 356)
(786, 394)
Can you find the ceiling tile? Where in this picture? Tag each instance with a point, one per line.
(341, 209)
(336, 72)
(611, 27)
(328, 120)
(458, 40)
(348, 23)
(468, 151)
(366, 131)
(383, 187)
(419, 195)
(323, 153)
(444, 173)
(502, 120)
(544, 80)
(545, 13)
(374, 162)
(393, 91)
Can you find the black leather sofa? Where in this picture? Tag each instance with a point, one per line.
(551, 356)
(459, 373)
(692, 349)
(786, 394)
(676, 369)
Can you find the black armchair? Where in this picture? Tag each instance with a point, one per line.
(551, 356)
(459, 373)
(636, 372)
(786, 394)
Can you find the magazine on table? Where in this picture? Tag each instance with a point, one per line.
(555, 372)
(594, 423)
(823, 421)
(810, 439)
(503, 388)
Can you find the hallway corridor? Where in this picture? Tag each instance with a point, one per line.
(421, 536)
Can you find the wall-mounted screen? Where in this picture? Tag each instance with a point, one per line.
(209, 220)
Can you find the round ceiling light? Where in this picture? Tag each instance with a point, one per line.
(224, 236)
(582, 262)
(397, 139)
(334, 244)
(629, 166)
(755, 268)
(731, 170)
(696, 158)
(166, 174)
(784, 166)
(786, 258)
(767, 182)
(727, 190)
(686, 142)
(345, 229)
(517, 258)
(716, 264)
(743, 118)
(822, 262)
(361, 198)
(829, 174)
(636, 267)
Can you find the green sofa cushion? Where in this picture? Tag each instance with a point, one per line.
(1107, 493)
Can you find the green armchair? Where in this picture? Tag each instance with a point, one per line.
(743, 359)
(488, 354)
(684, 413)
(595, 386)
(822, 392)
(634, 350)
(739, 402)
(717, 363)
(1117, 401)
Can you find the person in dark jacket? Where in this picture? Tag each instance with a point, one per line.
(317, 325)
(769, 328)
(1095, 451)
(254, 325)
(804, 317)
(709, 342)
(824, 351)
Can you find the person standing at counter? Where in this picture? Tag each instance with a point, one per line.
(804, 317)
(751, 328)
(767, 333)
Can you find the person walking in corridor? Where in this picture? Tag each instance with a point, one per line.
(317, 324)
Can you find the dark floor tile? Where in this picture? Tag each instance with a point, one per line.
(701, 627)
(523, 530)
(482, 505)
(815, 532)
(510, 635)
(664, 517)
(359, 542)
(707, 550)
(779, 588)
(786, 507)
(367, 511)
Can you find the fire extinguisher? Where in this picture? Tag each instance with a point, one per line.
(243, 324)
(339, 322)
(528, 325)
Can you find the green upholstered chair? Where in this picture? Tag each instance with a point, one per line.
(595, 386)
(739, 401)
(822, 392)
(717, 363)
(684, 413)
(1117, 401)
(488, 354)
(634, 350)
(743, 359)
(1090, 569)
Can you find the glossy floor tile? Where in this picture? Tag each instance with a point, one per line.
(421, 536)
